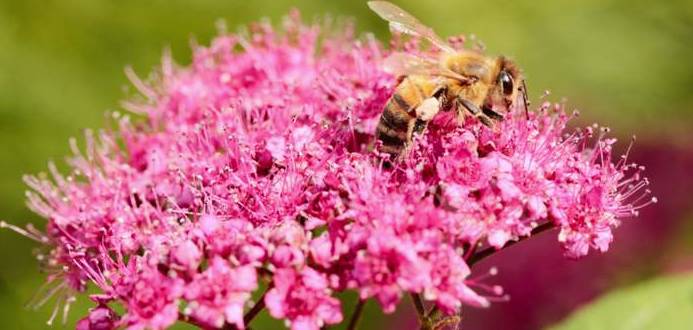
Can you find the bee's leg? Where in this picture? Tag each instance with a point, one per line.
(525, 98)
(419, 126)
(493, 114)
(475, 111)
(424, 113)
(441, 93)
(428, 109)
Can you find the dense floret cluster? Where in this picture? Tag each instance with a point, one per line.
(255, 168)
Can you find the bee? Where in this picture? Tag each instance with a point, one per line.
(465, 80)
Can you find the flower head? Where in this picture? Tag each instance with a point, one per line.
(303, 299)
(150, 297)
(99, 318)
(262, 161)
(220, 293)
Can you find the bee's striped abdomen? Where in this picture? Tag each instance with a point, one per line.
(393, 127)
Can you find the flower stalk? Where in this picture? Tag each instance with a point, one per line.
(356, 315)
(255, 310)
(487, 252)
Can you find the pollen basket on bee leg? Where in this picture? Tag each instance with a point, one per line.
(428, 109)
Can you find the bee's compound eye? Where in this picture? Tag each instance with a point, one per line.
(506, 82)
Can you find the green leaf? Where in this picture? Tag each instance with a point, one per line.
(661, 303)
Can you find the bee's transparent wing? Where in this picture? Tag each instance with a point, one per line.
(405, 64)
(402, 21)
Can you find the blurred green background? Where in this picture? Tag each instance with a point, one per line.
(624, 63)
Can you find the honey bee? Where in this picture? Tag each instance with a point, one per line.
(465, 80)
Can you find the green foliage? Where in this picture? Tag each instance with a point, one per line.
(625, 63)
(662, 303)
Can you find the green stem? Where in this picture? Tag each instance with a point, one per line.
(250, 315)
(356, 316)
(418, 304)
(256, 309)
(480, 255)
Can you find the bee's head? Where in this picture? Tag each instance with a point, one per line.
(505, 89)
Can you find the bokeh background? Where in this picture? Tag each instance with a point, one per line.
(627, 64)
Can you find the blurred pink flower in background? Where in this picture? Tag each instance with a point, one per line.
(256, 163)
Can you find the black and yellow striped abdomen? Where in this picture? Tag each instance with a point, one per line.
(398, 120)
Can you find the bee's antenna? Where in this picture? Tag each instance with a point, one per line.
(525, 98)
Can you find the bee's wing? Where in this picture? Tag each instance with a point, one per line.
(404, 64)
(402, 21)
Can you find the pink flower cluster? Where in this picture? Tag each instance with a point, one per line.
(255, 166)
